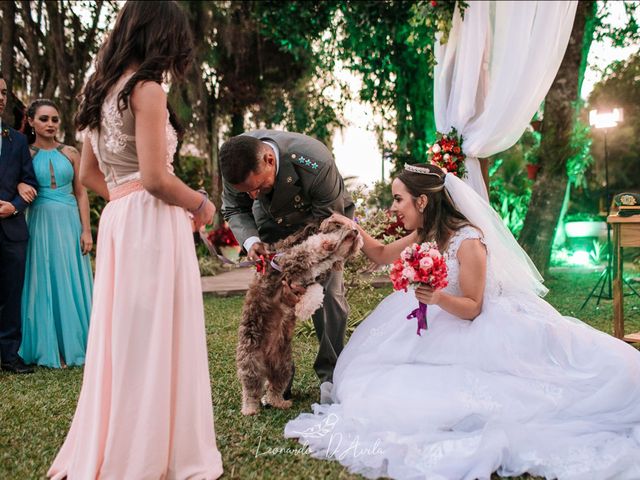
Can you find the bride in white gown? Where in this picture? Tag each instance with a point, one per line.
(500, 381)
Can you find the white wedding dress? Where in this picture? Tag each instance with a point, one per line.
(519, 389)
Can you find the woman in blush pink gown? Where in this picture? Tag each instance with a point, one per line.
(145, 408)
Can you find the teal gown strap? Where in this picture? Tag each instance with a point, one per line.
(59, 148)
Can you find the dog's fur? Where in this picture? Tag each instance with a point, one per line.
(270, 309)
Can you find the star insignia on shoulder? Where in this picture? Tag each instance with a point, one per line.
(305, 162)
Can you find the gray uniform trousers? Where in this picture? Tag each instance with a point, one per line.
(330, 323)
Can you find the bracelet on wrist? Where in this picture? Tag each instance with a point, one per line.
(205, 197)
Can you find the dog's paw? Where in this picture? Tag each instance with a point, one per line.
(276, 400)
(310, 301)
(282, 404)
(248, 410)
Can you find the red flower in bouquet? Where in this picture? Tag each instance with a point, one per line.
(419, 264)
(447, 154)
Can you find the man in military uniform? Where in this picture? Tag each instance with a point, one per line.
(275, 183)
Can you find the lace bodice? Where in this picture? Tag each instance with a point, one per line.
(453, 266)
(114, 144)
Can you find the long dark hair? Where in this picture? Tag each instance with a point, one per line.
(153, 34)
(28, 130)
(441, 218)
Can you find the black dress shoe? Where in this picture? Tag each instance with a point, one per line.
(17, 366)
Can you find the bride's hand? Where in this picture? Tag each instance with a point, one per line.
(336, 217)
(428, 295)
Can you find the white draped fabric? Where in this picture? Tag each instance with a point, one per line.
(494, 72)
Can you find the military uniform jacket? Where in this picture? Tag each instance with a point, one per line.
(308, 186)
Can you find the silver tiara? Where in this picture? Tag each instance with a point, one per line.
(420, 170)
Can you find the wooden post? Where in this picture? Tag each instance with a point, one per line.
(626, 233)
(618, 299)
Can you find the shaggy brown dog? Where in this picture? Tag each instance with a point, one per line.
(271, 308)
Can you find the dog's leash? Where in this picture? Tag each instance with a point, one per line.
(213, 250)
(274, 265)
(260, 264)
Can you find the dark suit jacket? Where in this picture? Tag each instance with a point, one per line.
(308, 186)
(15, 167)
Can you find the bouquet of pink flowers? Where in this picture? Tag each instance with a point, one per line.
(419, 264)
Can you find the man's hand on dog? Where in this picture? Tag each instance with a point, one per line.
(291, 293)
(256, 250)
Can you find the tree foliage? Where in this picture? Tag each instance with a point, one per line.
(253, 70)
(619, 88)
(621, 36)
(390, 45)
(52, 49)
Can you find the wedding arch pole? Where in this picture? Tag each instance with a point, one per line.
(494, 72)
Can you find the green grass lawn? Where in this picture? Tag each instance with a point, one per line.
(36, 410)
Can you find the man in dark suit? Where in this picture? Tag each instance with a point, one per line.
(15, 167)
(275, 183)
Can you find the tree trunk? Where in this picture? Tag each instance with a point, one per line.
(8, 43)
(237, 123)
(559, 116)
(36, 60)
(216, 177)
(587, 39)
(66, 97)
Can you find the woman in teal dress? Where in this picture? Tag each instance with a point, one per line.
(56, 299)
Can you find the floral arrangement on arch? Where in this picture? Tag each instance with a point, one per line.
(431, 19)
(447, 154)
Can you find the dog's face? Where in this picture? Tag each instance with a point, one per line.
(328, 248)
(343, 240)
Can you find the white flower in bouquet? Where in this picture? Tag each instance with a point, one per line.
(435, 148)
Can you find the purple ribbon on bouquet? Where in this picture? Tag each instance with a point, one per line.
(421, 314)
